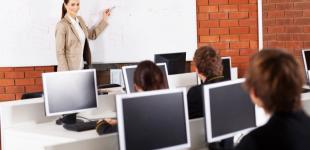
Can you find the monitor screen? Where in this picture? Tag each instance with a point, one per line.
(128, 73)
(228, 110)
(176, 62)
(69, 91)
(153, 120)
(226, 62)
(306, 60)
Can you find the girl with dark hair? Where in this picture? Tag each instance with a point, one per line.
(72, 36)
(149, 77)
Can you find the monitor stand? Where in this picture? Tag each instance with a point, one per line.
(70, 122)
(68, 119)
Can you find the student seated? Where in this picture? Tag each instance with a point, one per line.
(274, 82)
(148, 76)
(208, 65)
(210, 70)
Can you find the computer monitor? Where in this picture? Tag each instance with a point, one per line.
(128, 73)
(306, 60)
(69, 92)
(228, 110)
(226, 62)
(176, 62)
(153, 120)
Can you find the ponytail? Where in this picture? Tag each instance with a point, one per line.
(64, 11)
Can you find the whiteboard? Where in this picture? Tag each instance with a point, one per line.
(137, 30)
(27, 32)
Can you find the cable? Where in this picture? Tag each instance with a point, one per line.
(86, 118)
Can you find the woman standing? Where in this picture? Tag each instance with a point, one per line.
(72, 36)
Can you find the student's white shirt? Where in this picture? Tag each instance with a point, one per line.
(81, 34)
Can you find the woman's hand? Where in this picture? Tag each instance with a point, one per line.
(106, 14)
(111, 121)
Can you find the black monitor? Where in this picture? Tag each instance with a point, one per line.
(228, 110)
(176, 62)
(69, 92)
(128, 73)
(226, 62)
(153, 120)
(306, 60)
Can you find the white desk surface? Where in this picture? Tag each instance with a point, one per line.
(24, 126)
(40, 136)
(37, 136)
(53, 130)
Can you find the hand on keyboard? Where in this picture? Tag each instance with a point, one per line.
(105, 126)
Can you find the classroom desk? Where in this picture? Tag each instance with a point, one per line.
(23, 123)
(196, 131)
(110, 141)
(24, 126)
(39, 136)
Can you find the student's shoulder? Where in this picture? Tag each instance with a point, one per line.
(195, 89)
(248, 142)
(253, 140)
(195, 93)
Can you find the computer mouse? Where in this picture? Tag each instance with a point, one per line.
(103, 127)
(59, 121)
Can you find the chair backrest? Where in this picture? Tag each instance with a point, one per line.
(32, 95)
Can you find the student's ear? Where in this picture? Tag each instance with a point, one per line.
(202, 77)
(137, 88)
(196, 69)
(257, 101)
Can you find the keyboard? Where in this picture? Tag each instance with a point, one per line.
(81, 126)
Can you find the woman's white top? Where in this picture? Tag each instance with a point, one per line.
(82, 37)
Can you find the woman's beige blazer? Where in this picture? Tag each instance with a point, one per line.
(68, 45)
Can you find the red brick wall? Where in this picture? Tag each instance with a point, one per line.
(230, 26)
(16, 81)
(287, 24)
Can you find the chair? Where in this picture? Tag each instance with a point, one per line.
(32, 95)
